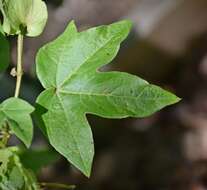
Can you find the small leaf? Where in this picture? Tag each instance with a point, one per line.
(24, 16)
(16, 180)
(4, 53)
(67, 68)
(16, 113)
(13, 176)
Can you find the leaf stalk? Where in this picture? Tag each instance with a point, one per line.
(57, 185)
(19, 72)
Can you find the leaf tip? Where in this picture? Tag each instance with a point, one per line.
(122, 28)
(178, 99)
(85, 168)
(128, 23)
(28, 144)
(174, 99)
(87, 173)
(72, 27)
(171, 99)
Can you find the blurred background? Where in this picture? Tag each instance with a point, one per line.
(167, 47)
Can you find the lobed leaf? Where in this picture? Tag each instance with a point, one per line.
(16, 113)
(68, 70)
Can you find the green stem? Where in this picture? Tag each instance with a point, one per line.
(57, 185)
(5, 135)
(19, 71)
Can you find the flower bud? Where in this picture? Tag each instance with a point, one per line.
(27, 17)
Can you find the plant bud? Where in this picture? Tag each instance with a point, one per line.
(27, 17)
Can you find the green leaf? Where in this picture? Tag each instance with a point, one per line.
(13, 176)
(16, 113)
(4, 53)
(24, 16)
(67, 68)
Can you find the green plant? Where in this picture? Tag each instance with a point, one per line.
(68, 70)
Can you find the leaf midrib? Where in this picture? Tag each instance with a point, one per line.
(108, 95)
(22, 110)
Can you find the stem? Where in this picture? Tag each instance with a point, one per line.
(5, 135)
(57, 185)
(19, 64)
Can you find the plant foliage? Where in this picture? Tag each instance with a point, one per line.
(69, 70)
(13, 176)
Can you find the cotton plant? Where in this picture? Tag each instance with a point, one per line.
(69, 70)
